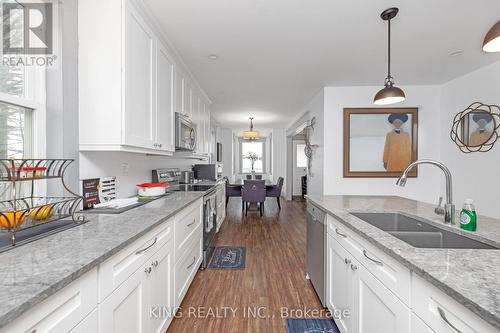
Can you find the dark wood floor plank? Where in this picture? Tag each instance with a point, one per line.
(274, 276)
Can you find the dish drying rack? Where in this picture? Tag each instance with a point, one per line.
(29, 211)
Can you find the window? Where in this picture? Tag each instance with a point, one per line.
(301, 159)
(252, 148)
(15, 131)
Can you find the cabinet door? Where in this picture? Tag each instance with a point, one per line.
(339, 282)
(376, 309)
(418, 326)
(162, 287)
(139, 77)
(88, 324)
(126, 310)
(165, 100)
(179, 91)
(188, 99)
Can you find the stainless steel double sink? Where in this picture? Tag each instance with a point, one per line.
(418, 233)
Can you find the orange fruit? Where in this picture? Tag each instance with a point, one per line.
(12, 219)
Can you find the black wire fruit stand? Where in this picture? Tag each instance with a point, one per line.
(24, 210)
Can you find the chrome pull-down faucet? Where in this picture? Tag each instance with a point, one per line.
(449, 207)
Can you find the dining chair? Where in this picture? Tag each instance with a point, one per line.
(233, 190)
(253, 191)
(274, 191)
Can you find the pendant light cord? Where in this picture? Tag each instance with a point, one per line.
(389, 50)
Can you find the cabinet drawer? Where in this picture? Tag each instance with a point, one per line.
(442, 313)
(122, 265)
(186, 269)
(188, 227)
(62, 311)
(418, 326)
(389, 271)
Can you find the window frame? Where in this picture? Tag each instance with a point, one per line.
(262, 140)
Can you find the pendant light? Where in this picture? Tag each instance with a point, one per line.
(492, 40)
(390, 94)
(251, 134)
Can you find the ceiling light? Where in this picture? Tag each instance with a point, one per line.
(492, 40)
(390, 94)
(213, 56)
(251, 134)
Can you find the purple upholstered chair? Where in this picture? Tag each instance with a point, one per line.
(232, 191)
(253, 191)
(258, 177)
(274, 191)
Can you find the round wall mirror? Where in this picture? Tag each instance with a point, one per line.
(476, 128)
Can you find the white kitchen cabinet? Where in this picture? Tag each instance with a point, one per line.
(376, 309)
(339, 282)
(165, 114)
(162, 287)
(126, 310)
(139, 81)
(88, 324)
(188, 99)
(62, 311)
(220, 200)
(418, 326)
(186, 269)
(126, 81)
(179, 91)
(442, 313)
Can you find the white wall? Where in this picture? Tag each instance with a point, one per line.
(226, 139)
(475, 175)
(279, 154)
(427, 187)
(315, 180)
(130, 169)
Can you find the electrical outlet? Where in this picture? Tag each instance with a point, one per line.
(125, 169)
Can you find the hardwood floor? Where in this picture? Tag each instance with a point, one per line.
(274, 276)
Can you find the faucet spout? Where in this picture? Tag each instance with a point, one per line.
(449, 208)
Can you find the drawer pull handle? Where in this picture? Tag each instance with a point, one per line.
(147, 247)
(443, 316)
(338, 232)
(347, 261)
(354, 267)
(190, 224)
(154, 263)
(148, 270)
(191, 265)
(375, 261)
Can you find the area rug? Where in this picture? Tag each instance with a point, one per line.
(228, 257)
(311, 326)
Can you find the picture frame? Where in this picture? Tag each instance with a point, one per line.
(379, 142)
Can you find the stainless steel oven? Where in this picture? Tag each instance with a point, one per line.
(185, 133)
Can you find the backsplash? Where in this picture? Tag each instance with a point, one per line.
(130, 169)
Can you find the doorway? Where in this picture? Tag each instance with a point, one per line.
(299, 167)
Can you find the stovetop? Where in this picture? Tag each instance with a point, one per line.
(190, 188)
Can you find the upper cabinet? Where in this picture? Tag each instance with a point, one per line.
(131, 85)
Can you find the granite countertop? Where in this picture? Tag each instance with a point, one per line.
(31, 273)
(471, 277)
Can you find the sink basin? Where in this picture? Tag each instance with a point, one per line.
(420, 234)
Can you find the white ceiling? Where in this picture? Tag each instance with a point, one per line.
(275, 55)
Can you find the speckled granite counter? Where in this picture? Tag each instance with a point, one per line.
(31, 273)
(471, 277)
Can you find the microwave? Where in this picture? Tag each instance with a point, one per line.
(185, 133)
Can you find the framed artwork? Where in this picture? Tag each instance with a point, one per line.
(380, 142)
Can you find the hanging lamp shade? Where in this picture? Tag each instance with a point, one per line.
(390, 94)
(492, 40)
(251, 134)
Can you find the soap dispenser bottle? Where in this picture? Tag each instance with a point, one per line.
(468, 216)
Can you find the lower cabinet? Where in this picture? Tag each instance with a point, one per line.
(375, 308)
(88, 324)
(144, 302)
(372, 307)
(382, 297)
(63, 311)
(340, 283)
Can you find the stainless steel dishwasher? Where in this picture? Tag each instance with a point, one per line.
(316, 249)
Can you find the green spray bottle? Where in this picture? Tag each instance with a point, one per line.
(468, 216)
